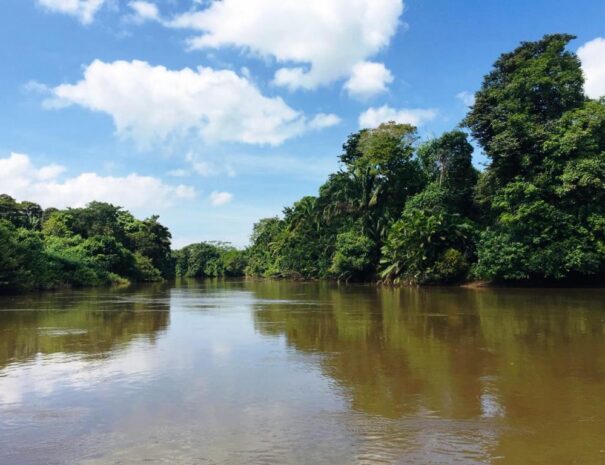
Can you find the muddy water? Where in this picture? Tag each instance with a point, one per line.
(285, 373)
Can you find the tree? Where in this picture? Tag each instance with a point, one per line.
(448, 162)
(59, 224)
(381, 164)
(263, 253)
(534, 239)
(353, 256)
(209, 259)
(150, 239)
(9, 210)
(31, 215)
(96, 245)
(97, 219)
(429, 243)
(12, 273)
(526, 93)
(544, 188)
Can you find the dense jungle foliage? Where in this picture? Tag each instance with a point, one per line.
(403, 211)
(398, 210)
(210, 260)
(97, 245)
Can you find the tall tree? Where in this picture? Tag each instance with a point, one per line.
(527, 91)
(545, 141)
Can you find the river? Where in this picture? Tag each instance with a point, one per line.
(253, 372)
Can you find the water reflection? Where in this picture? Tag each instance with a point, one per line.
(240, 372)
(90, 323)
(496, 364)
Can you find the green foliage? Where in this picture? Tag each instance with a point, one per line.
(447, 161)
(313, 240)
(209, 259)
(21, 214)
(424, 214)
(534, 239)
(522, 98)
(263, 253)
(9, 210)
(149, 238)
(145, 271)
(353, 256)
(429, 243)
(92, 246)
(58, 224)
(544, 190)
(383, 175)
(71, 264)
(14, 269)
(109, 254)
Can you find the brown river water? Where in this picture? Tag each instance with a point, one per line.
(242, 372)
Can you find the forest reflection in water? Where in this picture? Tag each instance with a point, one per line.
(245, 372)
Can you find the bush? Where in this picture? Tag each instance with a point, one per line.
(353, 256)
(428, 243)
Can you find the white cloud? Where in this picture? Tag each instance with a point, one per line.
(35, 87)
(320, 40)
(373, 117)
(220, 198)
(144, 11)
(152, 103)
(468, 98)
(592, 55)
(368, 79)
(84, 10)
(323, 120)
(20, 178)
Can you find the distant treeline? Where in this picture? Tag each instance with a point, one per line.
(397, 211)
(97, 245)
(403, 211)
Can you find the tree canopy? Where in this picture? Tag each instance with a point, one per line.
(96, 245)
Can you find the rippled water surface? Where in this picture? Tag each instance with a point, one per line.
(221, 372)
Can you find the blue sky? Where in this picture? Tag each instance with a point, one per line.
(216, 114)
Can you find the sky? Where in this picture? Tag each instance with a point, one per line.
(214, 114)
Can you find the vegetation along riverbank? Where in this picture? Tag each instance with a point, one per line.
(399, 209)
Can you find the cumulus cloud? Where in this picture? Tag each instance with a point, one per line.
(22, 179)
(368, 79)
(84, 10)
(152, 103)
(321, 40)
(144, 11)
(468, 98)
(373, 117)
(220, 198)
(592, 55)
